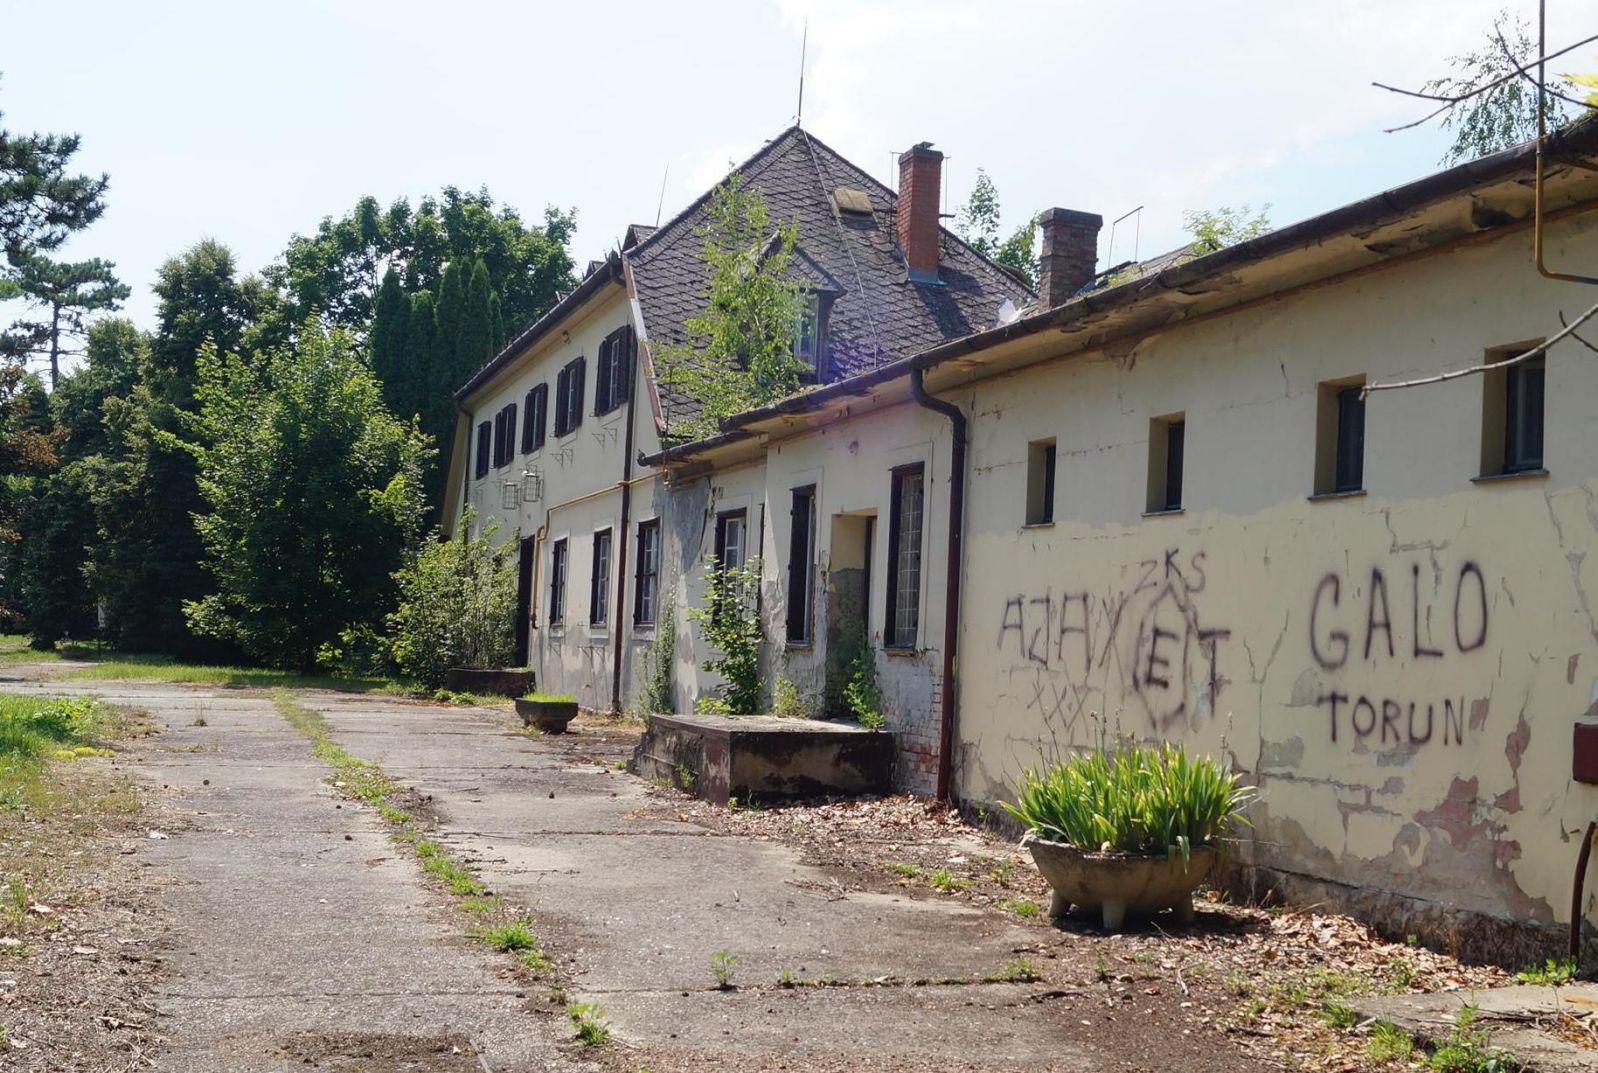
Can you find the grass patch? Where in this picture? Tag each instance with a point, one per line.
(723, 963)
(549, 698)
(1338, 1015)
(1021, 907)
(589, 1020)
(947, 881)
(1389, 1043)
(510, 936)
(1018, 970)
(904, 868)
(165, 669)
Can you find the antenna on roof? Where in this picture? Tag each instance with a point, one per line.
(662, 202)
(804, 44)
(1109, 256)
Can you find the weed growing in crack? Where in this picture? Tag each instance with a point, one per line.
(722, 965)
(904, 868)
(1021, 907)
(510, 936)
(787, 979)
(947, 881)
(1465, 1050)
(1551, 973)
(589, 1019)
(1101, 966)
(1018, 970)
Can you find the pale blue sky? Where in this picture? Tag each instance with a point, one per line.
(249, 123)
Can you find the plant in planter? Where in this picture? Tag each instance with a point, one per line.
(549, 712)
(1135, 829)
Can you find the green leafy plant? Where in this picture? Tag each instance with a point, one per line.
(1216, 229)
(788, 700)
(722, 965)
(457, 605)
(589, 1019)
(861, 694)
(904, 868)
(509, 935)
(1021, 907)
(658, 697)
(946, 881)
(729, 621)
(1134, 799)
(1338, 1015)
(549, 698)
(1018, 970)
(1553, 972)
(1465, 1050)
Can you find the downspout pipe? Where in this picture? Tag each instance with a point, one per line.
(621, 619)
(951, 588)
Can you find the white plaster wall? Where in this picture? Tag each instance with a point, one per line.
(1238, 625)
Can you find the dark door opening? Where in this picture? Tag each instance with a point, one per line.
(524, 600)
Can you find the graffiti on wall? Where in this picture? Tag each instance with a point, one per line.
(1142, 646)
(1404, 617)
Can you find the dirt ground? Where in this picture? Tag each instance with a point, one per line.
(244, 910)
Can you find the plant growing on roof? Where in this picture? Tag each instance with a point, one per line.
(737, 352)
(1216, 229)
(729, 620)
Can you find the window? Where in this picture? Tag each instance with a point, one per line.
(599, 589)
(1040, 482)
(505, 435)
(569, 396)
(646, 593)
(614, 371)
(557, 583)
(537, 403)
(810, 333)
(904, 558)
(1340, 437)
(1512, 413)
(801, 564)
(731, 539)
(485, 433)
(1167, 437)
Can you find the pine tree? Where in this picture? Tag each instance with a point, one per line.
(475, 344)
(391, 315)
(496, 321)
(416, 365)
(451, 305)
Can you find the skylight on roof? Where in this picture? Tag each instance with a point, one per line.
(851, 199)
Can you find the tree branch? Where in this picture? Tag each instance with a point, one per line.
(1448, 101)
(1498, 34)
(1455, 374)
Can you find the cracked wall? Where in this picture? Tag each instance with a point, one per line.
(1399, 669)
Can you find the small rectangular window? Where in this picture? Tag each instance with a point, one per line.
(485, 437)
(1040, 482)
(1512, 412)
(810, 335)
(599, 590)
(569, 396)
(1167, 439)
(505, 435)
(646, 595)
(557, 583)
(904, 558)
(801, 564)
(537, 403)
(1340, 437)
(613, 372)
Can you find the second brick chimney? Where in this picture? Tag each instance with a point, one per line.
(920, 182)
(1070, 253)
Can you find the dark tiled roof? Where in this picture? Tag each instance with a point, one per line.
(880, 315)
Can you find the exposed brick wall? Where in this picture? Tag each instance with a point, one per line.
(916, 738)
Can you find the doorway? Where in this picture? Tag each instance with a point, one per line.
(848, 601)
(524, 599)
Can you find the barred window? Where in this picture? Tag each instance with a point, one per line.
(904, 558)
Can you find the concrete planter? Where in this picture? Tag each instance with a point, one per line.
(1118, 883)
(495, 681)
(550, 716)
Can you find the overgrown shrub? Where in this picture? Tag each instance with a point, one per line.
(457, 606)
(729, 621)
(789, 701)
(658, 696)
(1132, 799)
(861, 694)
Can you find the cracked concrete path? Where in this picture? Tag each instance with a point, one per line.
(300, 938)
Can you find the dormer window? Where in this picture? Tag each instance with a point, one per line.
(810, 334)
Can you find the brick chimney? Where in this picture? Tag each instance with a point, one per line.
(1070, 253)
(920, 180)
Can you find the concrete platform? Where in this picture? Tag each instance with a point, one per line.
(1516, 1018)
(764, 757)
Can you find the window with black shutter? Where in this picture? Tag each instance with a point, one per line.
(508, 454)
(557, 583)
(599, 584)
(1167, 443)
(801, 564)
(569, 397)
(537, 404)
(646, 591)
(602, 372)
(613, 373)
(485, 432)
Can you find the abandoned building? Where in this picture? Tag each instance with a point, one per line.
(1177, 500)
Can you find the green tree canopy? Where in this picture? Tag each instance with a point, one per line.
(475, 344)
(314, 496)
(41, 201)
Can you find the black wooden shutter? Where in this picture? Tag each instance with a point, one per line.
(510, 433)
(484, 431)
(561, 383)
(578, 376)
(626, 348)
(602, 378)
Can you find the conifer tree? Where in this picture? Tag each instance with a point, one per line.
(416, 364)
(475, 344)
(391, 314)
(451, 304)
(496, 322)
